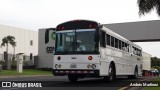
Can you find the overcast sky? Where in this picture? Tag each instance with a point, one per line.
(36, 14)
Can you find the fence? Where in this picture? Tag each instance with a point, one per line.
(27, 63)
(10, 56)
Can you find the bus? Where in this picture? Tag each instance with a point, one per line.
(85, 48)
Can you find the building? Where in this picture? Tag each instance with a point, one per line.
(46, 47)
(26, 41)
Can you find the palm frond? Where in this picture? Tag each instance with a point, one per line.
(4, 41)
(158, 7)
(13, 44)
(146, 6)
(10, 38)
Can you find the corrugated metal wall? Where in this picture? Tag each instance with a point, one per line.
(22, 37)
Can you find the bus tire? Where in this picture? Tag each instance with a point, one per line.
(111, 74)
(72, 78)
(135, 74)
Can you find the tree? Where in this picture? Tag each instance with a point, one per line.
(146, 6)
(5, 42)
(155, 61)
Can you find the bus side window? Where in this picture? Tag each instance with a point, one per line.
(112, 41)
(123, 47)
(102, 39)
(133, 49)
(120, 44)
(108, 40)
(140, 53)
(116, 43)
(128, 47)
(136, 51)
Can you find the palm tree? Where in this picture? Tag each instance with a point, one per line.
(5, 42)
(146, 6)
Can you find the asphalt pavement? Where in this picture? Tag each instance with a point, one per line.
(62, 83)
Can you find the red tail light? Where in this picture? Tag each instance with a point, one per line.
(60, 27)
(92, 25)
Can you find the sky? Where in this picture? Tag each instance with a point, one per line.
(36, 14)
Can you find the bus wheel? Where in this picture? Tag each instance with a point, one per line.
(111, 74)
(135, 74)
(72, 78)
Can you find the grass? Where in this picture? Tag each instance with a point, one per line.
(154, 88)
(25, 72)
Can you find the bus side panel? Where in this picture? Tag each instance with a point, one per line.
(104, 62)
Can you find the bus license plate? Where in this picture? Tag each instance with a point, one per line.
(73, 66)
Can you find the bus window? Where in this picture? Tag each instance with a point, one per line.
(116, 43)
(102, 39)
(130, 48)
(135, 51)
(123, 47)
(112, 41)
(108, 40)
(127, 47)
(140, 53)
(120, 44)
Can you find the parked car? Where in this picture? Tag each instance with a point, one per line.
(155, 72)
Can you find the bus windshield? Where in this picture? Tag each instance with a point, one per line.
(79, 41)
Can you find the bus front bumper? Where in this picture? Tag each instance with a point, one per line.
(79, 72)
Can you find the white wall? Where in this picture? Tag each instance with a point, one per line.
(22, 37)
(45, 59)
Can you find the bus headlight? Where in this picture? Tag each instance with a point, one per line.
(88, 66)
(93, 66)
(58, 66)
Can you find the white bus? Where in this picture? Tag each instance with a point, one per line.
(86, 48)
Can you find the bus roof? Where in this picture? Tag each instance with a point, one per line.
(77, 24)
